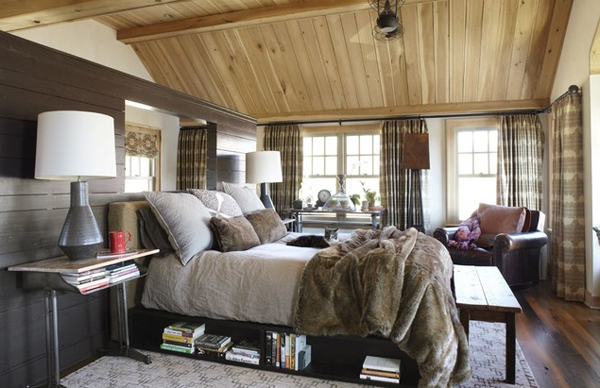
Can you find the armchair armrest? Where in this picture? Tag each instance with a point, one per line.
(517, 241)
(444, 235)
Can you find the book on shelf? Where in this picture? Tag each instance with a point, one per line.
(283, 349)
(247, 347)
(178, 338)
(92, 285)
(84, 277)
(123, 276)
(214, 353)
(379, 378)
(304, 357)
(381, 373)
(178, 348)
(212, 341)
(269, 348)
(187, 328)
(382, 364)
(237, 357)
(107, 254)
(178, 343)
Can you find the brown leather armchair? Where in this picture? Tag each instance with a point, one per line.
(516, 255)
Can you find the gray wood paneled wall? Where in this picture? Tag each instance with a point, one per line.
(34, 79)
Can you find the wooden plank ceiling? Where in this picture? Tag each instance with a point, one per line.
(281, 60)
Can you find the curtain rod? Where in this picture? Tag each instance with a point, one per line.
(572, 90)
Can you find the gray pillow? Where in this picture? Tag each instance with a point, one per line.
(186, 221)
(219, 204)
(234, 234)
(244, 196)
(267, 225)
(152, 233)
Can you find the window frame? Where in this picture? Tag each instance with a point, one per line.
(341, 133)
(453, 127)
(156, 179)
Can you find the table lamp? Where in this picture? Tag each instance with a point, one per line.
(264, 167)
(76, 146)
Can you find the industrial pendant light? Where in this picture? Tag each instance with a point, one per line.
(388, 27)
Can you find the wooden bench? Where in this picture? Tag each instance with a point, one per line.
(482, 294)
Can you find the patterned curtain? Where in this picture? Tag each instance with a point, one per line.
(394, 181)
(191, 159)
(287, 140)
(141, 144)
(520, 156)
(568, 240)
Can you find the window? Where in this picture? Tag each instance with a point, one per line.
(142, 158)
(472, 165)
(329, 152)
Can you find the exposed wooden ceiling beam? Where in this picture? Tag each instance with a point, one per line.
(245, 18)
(19, 14)
(413, 110)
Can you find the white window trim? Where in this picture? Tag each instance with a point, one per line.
(135, 127)
(453, 126)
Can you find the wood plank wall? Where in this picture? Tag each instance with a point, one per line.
(33, 79)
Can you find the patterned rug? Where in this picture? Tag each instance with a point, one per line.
(169, 371)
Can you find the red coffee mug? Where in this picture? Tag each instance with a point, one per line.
(118, 241)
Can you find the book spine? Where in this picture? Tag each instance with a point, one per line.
(241, 358)
(300, 344)
(292, 352)
(304, 357)
(211, 353)
(284, 339)
(269, 348)
(278, 350)
(212, 345)
(379, 378)
(168, 330)
(175, 348)
(181, 326)
(177, 338)
(177, 343)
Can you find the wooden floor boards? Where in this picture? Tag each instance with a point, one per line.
(560, 340)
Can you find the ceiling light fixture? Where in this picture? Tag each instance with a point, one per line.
(388, 27)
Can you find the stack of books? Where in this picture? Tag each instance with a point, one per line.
(180, 336)
(245, 351)
(213, 345)
(381, 369)
(287, 350)
(87, 281)
(121, 271)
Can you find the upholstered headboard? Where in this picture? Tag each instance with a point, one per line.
(123, 216)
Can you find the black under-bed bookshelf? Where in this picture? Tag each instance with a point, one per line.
(336, 358)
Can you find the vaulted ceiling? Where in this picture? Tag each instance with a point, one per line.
(281, 60)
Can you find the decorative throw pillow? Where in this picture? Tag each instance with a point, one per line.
(185, 219)
(219, 204)
(152, 233)
(245, 197)
(267, 225)
(500, 219)
(234, 234)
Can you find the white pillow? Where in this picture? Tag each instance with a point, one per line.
(244, 196)
(186, 221)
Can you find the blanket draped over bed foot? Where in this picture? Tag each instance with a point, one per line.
(391, 283)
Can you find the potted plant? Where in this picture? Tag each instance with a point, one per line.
(370, 197)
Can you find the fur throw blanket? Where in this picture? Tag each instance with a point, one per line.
(391, 283)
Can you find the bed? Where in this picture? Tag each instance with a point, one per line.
(389, 283)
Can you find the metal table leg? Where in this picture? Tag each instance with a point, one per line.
(52, 350)
(124, 350)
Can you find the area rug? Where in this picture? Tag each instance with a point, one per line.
(170, 371)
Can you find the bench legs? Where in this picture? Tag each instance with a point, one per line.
(466, 315)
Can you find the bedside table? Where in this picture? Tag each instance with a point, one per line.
(47, 275)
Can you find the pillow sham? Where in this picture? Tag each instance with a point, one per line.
(185, 219)
(500, 219)
(245, 197)
(152, 233)
(219, 203)
(234, 234)
(267, 225)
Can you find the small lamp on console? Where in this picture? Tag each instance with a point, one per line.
(76, 146)
(264, 167)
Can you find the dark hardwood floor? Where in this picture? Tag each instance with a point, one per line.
(560, 340)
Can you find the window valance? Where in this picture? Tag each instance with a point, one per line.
(141, 144)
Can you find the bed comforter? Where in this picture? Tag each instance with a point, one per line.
(392, 284)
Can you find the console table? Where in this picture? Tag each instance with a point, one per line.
(46, 275)
(374, 221)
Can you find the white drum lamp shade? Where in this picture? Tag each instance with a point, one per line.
(76, 146)
(264, 167)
